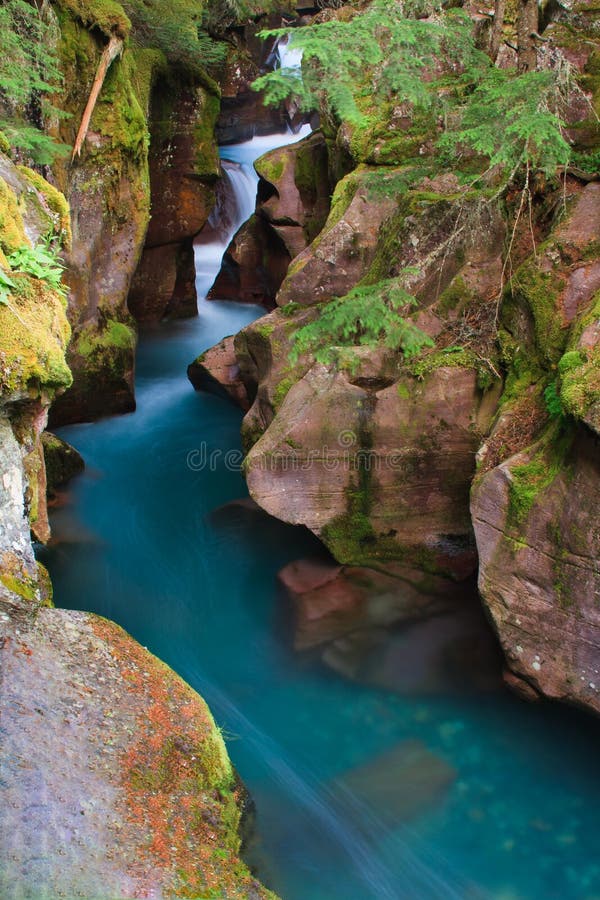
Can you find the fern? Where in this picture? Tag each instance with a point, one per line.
(367, 315)
(39, 262)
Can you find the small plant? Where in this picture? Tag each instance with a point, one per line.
(39, 262)
(367, 315)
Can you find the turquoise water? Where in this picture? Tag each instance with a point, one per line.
(150, 542)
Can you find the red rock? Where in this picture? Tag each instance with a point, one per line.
(217, 372)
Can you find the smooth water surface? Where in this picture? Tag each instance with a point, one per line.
(150, 542)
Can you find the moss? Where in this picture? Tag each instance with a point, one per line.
(34, 333)
(281, 390)
(57, 203)
(114, 336)
(271, 166)
(106, 15)
(453, 357)
(45, 586)
(12, 229)
(540, 292)
(264, 330)
(529, 480)
(456, 296)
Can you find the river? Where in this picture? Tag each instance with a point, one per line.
(151, 539)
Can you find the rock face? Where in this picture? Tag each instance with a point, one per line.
(536, 521)
(243, 113)
(254, 265)
(343, 251)
(62, 462)
(377, 474)
(33, 336)
(536, 513)
(184, 166)
(125, 763)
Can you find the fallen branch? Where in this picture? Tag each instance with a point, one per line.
(113, 49)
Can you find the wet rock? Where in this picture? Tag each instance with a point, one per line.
(432, 653)
(378, 475)
(217, 372)
(330, 601)
(342, 252)
(243, 113)
(62, 462)
(254, 265)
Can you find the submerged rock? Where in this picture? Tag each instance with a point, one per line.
(396, 786)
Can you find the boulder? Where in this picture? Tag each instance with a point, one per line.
(380, 474)
(253, 266)
(62, 462)
(398, 785)
(330, 601)
(217, 372)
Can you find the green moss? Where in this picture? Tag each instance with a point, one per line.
(114, 336)
(281, 391)
(456, 296)
(5, 144)
(34, 333)
(264, 330)
(106, 15)
(12, 229)
(529, 480)
(271, 166)
(539, 292)
(453, 357)
(57, 203)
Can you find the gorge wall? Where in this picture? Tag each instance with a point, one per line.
(480, 453)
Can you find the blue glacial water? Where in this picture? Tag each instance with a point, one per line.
(150, 541)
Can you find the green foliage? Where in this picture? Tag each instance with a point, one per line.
(179, 33)
(394, 48)
(367, 315)
(6, 287)
(39, 262)
(501, 117)
(513, 120)
(29, 73)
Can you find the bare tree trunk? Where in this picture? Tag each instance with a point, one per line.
(497, 26)
(527, 28)
(113, 49)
